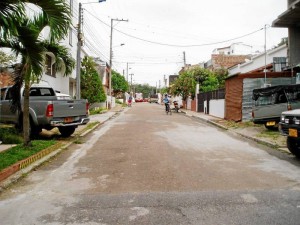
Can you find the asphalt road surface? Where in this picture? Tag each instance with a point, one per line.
(146, 167)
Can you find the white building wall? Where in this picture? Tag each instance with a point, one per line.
(66, 85)
(234, 49)
(259, 61)
(217, 108)
(240, 49)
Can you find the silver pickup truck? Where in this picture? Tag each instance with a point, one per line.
(46, 110)
(270, 102)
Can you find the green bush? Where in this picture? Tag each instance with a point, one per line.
(9, 135)
(119, 102)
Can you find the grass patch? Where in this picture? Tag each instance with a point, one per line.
(97, 110)
(19, 152)
(235, 125)
(9, 135)
(269, 134)
(89, 126)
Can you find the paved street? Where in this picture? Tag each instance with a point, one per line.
(146, 167)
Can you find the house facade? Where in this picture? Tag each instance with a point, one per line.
(276, 61)
(229, 56)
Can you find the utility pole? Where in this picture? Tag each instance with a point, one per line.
(78, 57)
(131, 81)
(265, 55)
(127, 73)
(79, 45)
(110, 56)
(184, 60)
(159, 86)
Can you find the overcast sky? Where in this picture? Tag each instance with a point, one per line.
(159, 31)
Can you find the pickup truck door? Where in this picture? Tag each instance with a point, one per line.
(6, 115)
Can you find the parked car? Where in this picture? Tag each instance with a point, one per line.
(153, 99)
(46, 110)
(138, 97)
(270, 102)
(290, 126)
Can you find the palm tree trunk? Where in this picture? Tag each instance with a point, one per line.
(26, 133)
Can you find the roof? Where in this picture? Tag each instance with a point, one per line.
(289, 18)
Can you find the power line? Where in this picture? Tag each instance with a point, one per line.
(174, 45)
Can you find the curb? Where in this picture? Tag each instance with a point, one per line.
(242, 135)
(13, 173)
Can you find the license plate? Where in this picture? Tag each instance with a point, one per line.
(68, 120)
(271, 123)
(293, 132)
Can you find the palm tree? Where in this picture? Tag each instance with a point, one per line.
(22, 35)
(57, 13)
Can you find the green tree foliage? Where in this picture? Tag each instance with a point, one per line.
(119, 84)
(6, 59)
(91, 85)
(185, 85)
(210, 84)
(146, 89)
(221, 75)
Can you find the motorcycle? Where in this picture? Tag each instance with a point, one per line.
(176, 107)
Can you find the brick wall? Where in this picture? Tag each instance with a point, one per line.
(226, 61)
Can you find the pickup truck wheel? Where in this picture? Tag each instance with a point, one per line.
(34, 131)
(293, 146)
(66, 131)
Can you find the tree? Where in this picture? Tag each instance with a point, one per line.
(210, 84)
(91, 85)
(221, 75)
(145, 89)
(6, 59)
(22, 35)
(185, 85)
(119, 84)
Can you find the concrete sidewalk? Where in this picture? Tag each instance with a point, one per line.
(257, 133)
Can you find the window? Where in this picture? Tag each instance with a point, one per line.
(71, 36)
(41, 92)
(2, 93)
(9, 95)
(49, 67)
(71, 7)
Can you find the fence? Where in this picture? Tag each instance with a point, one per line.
(205, 97)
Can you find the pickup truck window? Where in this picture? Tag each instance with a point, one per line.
(9, 95)
(2, 93)
(41, 92)
(266, 100)
(293, 96)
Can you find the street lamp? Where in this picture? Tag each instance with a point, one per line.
(79, 44)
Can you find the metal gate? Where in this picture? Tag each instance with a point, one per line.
(207, 96)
